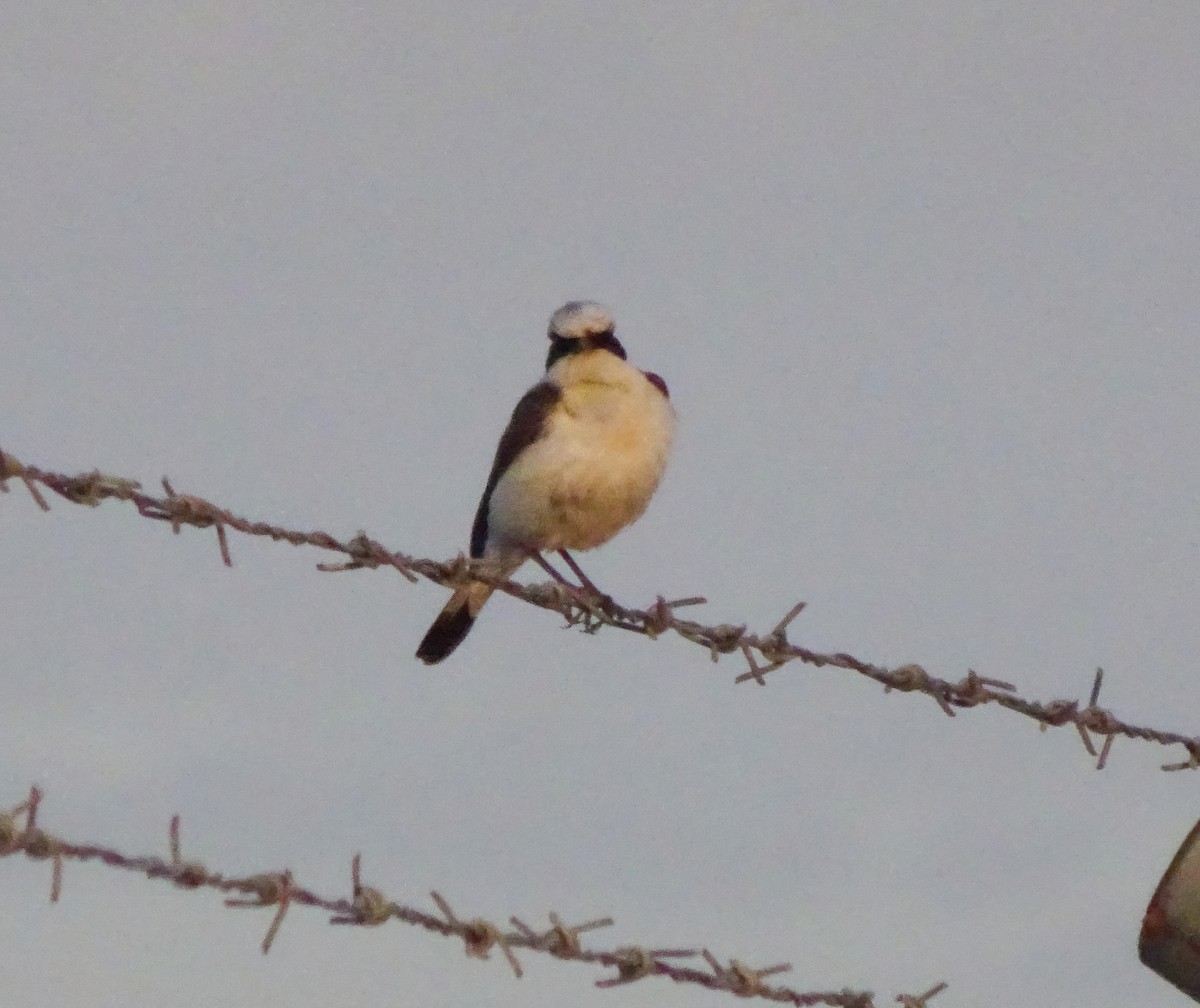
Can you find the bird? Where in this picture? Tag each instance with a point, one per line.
(582, 455)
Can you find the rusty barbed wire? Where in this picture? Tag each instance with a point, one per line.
(363, 552)
(367, 906)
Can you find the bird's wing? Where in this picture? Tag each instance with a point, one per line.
(658, 383)
(525, 426)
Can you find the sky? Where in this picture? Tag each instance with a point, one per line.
(924, 282)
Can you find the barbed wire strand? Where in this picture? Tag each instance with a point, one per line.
(973, 690)
(367, 906)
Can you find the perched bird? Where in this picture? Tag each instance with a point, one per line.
(580, 459)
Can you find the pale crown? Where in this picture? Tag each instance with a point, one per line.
(577, 319)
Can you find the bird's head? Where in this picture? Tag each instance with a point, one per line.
(579, 326)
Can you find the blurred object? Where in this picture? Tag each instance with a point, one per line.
(1170, 940)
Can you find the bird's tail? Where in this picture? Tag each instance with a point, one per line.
(453, 622)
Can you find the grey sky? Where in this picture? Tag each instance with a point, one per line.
(923, 280)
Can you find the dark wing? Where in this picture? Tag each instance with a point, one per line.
(658, 383)
(526, 426)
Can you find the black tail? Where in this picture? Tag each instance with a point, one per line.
(447, 632)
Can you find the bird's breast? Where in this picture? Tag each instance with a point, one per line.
(602, 454)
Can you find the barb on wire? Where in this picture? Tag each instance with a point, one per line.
(774, 648)
(366, 906)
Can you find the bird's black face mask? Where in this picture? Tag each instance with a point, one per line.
(561, 346)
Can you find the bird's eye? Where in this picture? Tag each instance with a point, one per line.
(606, 340)
(560, 347)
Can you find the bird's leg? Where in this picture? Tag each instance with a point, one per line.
(583, 579)
(601, 599)
(542, 562)
(587, 597)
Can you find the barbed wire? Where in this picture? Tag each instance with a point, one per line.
(367, 906)
(773, 648)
